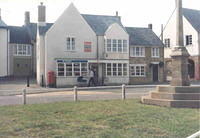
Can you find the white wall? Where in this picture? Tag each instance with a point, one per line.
(3, 52)
(101, 47)
(40, 57)
(189, 30)
(115, 31)
(69, 24)
(116, 80)
(170, 32)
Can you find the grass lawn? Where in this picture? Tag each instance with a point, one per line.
(100, 119)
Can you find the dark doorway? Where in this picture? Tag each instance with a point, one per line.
(22, 67)
(94, 67)
(191, 68)
(155, 73)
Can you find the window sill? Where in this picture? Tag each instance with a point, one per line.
(137, 56)
(138, 76)
(70, 51)
(188, 45)
(22, 55)
(117, 76)
(70, 76)
(116, 52)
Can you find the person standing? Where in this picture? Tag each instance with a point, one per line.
(91, 78)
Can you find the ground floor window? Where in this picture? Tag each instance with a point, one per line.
(60, 69)
(72, 69)
(137, 70)
(116, 69)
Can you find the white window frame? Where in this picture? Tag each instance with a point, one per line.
(57, 69)
(110, 48)
(155, 52)
(72, 46)
(123, 50)
(117, 70)
(21, 52)
(73, 71)
(133, 52)
(68, 71)
(140, 72)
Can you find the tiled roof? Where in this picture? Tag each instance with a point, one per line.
(193, 16)
(44, 29)
(143, 37)
(19, 35)
(100, 23)
(2, 24)
(32, 30)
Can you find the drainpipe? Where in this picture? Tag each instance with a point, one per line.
(98, 58)
(162, 33)
(163, 59)
(97, 48)
(7, 52)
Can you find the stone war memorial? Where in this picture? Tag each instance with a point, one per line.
(179, 94)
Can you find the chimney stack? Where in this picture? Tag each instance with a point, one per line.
(41, 14)
(150, 26)
(27, 18)
(117, 13)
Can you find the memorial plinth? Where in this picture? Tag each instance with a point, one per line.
(174, 96)
(180, 94)
(180, 75)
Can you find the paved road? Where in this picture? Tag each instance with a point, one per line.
(10, 93)
(86, 95)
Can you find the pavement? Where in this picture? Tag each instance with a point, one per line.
(66, 96)
(16, 87)
(11, 93)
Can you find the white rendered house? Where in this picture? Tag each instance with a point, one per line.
(17, 49)
(191, 25)
(4, 59)
(77, 42)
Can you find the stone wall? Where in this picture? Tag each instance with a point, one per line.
(147, 60)
(195, 59)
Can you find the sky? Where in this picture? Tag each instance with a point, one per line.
(134, 13)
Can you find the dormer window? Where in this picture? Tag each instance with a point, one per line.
(188, 40)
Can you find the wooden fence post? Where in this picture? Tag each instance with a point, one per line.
(123, 92)
(24, 96)
(75, 94)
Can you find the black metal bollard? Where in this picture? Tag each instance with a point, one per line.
(42, 81)
(28, 81)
